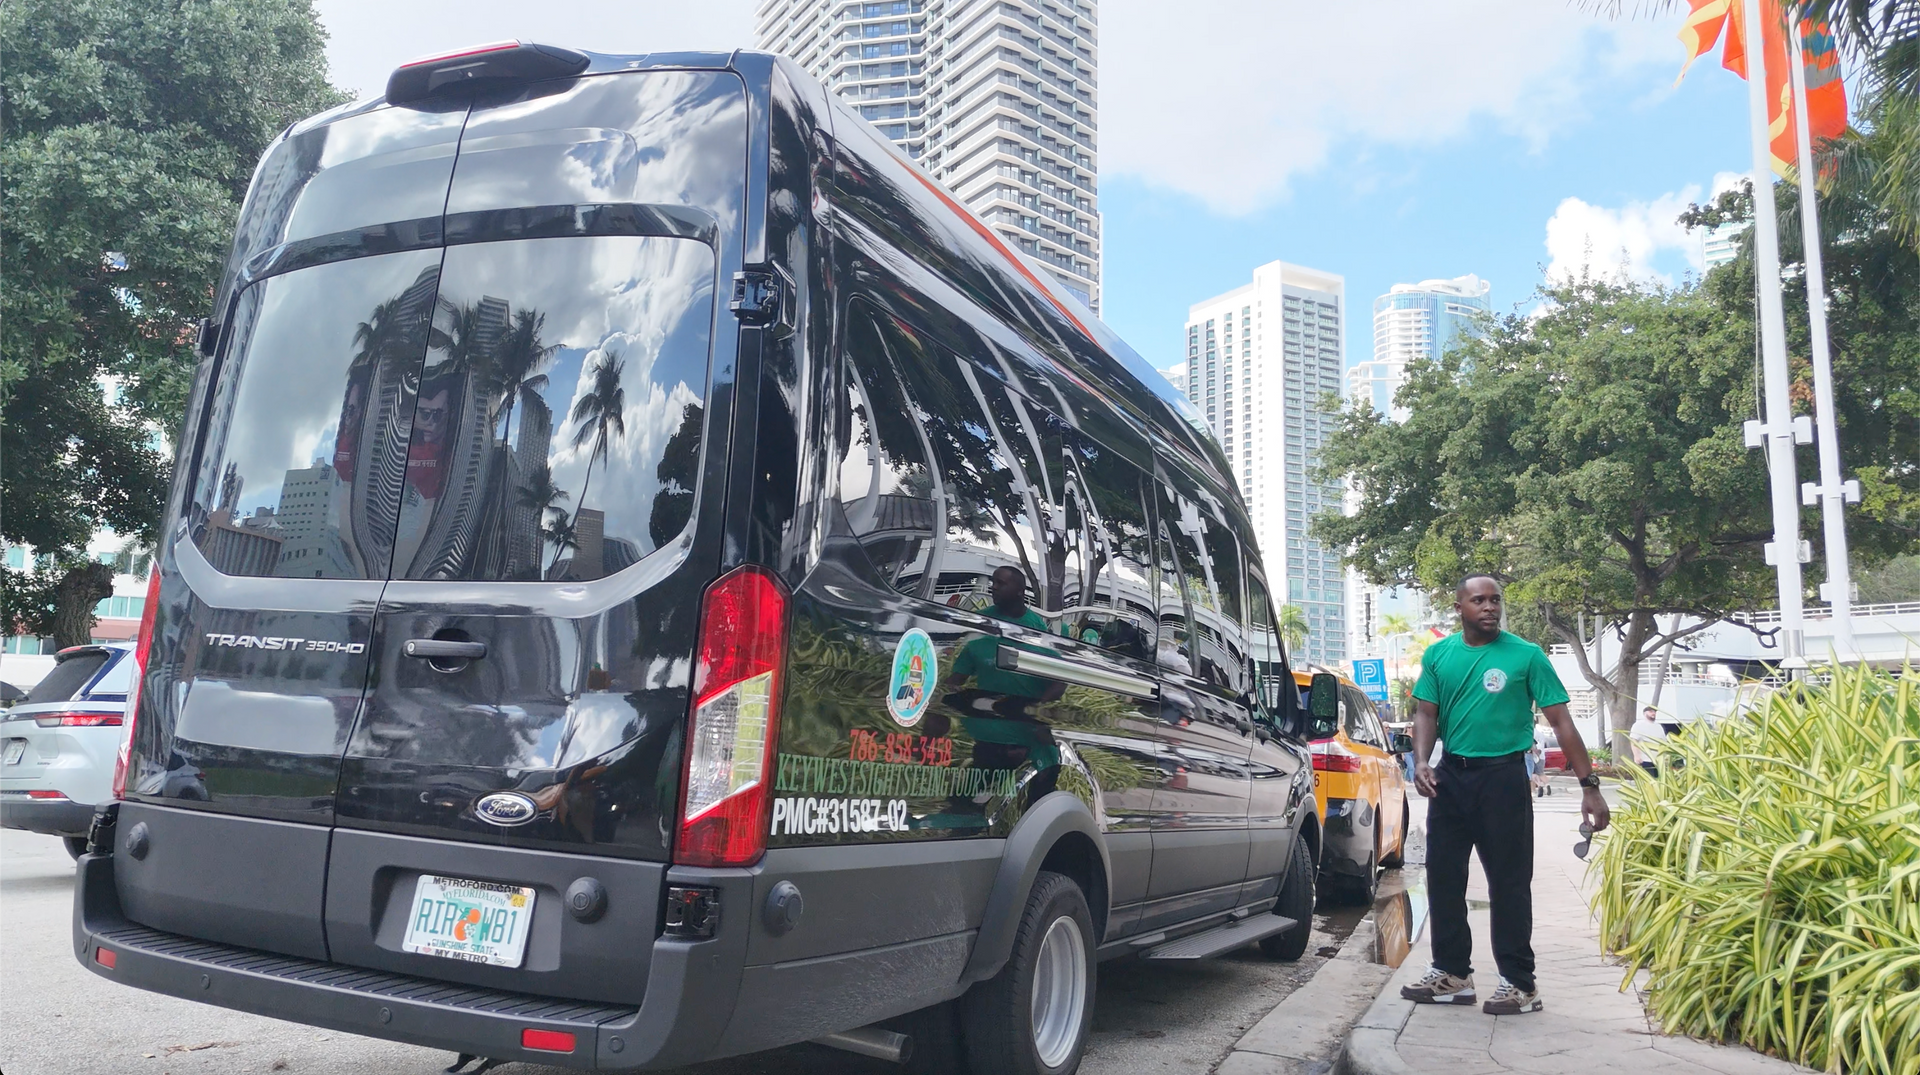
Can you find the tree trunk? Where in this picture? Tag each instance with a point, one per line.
(75, 596)
(1626, 680)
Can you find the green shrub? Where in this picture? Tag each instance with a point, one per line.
(1771, 888)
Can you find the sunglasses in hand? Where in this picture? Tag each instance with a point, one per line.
(1586, 840)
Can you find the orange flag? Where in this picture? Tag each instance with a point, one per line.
(1709, 20)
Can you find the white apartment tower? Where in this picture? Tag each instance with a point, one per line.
(1410, 321)
(1260, 360)
(996, 99)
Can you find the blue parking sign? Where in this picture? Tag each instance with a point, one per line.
(1370, 674)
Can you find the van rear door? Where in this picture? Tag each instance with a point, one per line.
(558, 522)
(283, 533)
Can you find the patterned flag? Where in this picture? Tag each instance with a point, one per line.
(1710, 20)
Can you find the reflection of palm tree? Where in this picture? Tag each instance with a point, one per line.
(381, 333)
(558, 531)
(600, 414)
(1293, 625)
(517, 360)
(539, 494)
(461, 338)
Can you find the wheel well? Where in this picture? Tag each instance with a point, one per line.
(1310, 832)
(1074, 856)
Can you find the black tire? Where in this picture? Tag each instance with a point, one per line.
(996, 1016)
(1296, 902)
(1399, 856)
(75, 845)
(1358, 891)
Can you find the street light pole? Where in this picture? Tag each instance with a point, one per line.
(1778, 433)
(1831, 493)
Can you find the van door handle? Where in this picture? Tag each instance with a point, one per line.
(429, 648)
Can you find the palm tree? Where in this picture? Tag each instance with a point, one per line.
(600, 415)
(1293, 626)
(1393, 627)
(517, 362)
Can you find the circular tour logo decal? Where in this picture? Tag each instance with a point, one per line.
(915, 670)
(1495, 680)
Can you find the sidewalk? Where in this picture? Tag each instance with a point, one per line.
(1588, 1026)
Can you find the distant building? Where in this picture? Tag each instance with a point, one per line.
(1410, 322)
(996, 99)
(1719, 245)
(1261, 359)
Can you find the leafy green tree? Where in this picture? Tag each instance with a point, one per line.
(1293, 626)
(130, 132)
(1591, 457)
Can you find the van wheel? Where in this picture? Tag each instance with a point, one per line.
(1033, 1017)
(1296, 902)
(1399, 856)
(76, 845)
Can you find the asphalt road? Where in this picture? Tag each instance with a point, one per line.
(62, 1020)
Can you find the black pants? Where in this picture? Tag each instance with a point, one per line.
(1490, 809)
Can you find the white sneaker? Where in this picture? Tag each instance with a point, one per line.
(1439, 987)
(1510, 999)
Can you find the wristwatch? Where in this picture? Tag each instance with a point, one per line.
(1591, 780)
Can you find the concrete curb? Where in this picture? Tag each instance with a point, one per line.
(1306, 1033)
(1372, 1046)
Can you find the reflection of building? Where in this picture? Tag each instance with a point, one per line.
(1260, 361)
(590, 536)
(1410, 322)
(249, 546)
(475, 487)
(372, 446)
(311, 545)
(530, 470)
(995, 98)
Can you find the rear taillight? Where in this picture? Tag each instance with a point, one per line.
(1330, 757)
(547, 1041)
(79, 720)
(139, 680)
(726, 789)
(41, 794)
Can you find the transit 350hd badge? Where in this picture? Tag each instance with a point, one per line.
(916, 669)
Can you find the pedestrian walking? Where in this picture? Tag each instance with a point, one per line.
(1646, 737)
(1477, 690)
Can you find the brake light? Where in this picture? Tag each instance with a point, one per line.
(1330, 757)
(140, 651)
(547, 1041)
(501, 63)
(440, 57)
(79, 720)
(41, 794)
(726, 788)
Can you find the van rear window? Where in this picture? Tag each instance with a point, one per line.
(556, 432)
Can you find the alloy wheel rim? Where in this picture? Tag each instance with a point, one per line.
(1059, 992)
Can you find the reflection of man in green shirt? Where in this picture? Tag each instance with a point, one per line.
(995, 711)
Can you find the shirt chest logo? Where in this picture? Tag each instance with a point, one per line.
(1494, 681)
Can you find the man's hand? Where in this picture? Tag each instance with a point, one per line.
(1593, 807)
(1423, 781)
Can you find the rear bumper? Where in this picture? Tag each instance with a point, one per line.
(55, 817)
(740, 991)
(1349, 837)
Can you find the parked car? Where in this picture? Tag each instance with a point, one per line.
(57, 747)
(1358, 786)
(650, 577)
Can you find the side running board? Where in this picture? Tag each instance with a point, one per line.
(1222, 938)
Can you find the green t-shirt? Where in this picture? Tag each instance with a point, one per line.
(1486, 694)
(980, 659)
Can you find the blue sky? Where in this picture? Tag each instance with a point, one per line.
(1389, 141)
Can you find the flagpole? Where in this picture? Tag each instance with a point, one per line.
(1831, 492)
(1776, 434)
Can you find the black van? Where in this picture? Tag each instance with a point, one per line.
(649, 577)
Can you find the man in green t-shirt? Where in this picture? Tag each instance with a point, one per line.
(998, 710)
(1476, 694)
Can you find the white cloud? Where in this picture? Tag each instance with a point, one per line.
(1228, 100)
(1642, 240)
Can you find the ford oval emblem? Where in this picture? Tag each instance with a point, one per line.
(505, 808)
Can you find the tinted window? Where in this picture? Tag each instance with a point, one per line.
(1175, 649)
(67, 677)
(1115, 604)
(1263, 644)
(557, 429)
(306, 434)
(988, 518)
(889, 497)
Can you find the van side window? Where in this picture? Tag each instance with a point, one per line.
(1172, 587)
(299, 473)
(1263, 643)
(988, 518)
(1222, 552)
(1115, 606)
(889, 496)
(557, 430)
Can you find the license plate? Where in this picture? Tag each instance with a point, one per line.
(16, 749)
(477, 921)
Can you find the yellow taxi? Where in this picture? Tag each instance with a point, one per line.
(1362, 796)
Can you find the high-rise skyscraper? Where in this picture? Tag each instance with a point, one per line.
(996, 99)
(1410, 321)
(1260, 360)
(1719, 245)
